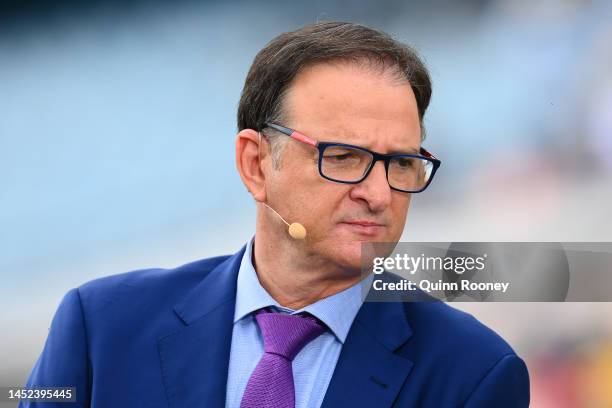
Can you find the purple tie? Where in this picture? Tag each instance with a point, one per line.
(271, 384)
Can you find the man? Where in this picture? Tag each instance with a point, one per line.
(329, 142)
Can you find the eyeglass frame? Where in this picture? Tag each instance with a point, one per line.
(386, 158)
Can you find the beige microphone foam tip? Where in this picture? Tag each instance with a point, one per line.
(297, 231)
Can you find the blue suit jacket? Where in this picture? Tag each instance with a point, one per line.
(161, 338)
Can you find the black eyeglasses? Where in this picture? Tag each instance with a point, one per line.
(344, 163)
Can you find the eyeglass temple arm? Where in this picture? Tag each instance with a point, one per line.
(305, 139)
(426, 153)
(293, 134)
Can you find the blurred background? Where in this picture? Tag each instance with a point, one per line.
(117, 127)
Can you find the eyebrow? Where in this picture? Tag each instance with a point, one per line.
(411, 150)
(311, 141)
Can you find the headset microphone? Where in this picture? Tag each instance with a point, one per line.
(296, 230)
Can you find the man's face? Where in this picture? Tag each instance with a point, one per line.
(345, 103)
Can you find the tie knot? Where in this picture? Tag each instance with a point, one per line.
(285, 334)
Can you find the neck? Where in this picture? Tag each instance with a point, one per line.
(290, 272)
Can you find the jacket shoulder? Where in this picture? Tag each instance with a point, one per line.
(455, 354)
(454, 331)
(133, 290)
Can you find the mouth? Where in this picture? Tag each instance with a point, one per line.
(363, 227)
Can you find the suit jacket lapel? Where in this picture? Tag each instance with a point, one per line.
(195, 359)
(368, 372)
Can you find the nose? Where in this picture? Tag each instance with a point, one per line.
(374, 190)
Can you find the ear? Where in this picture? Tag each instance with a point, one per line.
(249, 145)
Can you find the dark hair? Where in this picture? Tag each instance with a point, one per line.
(276, 65)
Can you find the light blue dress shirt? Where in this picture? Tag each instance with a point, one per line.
(314, 364)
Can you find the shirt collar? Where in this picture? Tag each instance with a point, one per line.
(337, 311)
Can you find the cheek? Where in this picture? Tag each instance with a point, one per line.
(398, 214)
(401, 204)
(302, 193)
(295, 179)
(322, 205)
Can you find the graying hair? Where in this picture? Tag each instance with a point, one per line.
(277, 64)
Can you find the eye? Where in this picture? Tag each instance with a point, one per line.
(405, 162)
(339, 156)
(342, 155)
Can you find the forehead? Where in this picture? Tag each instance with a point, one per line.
(350, 103)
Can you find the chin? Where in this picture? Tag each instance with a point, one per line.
(347, 254)
(344, 247)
